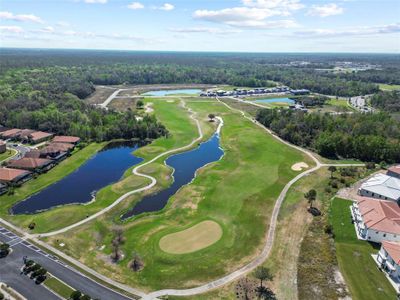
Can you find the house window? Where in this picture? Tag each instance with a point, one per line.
(376, 232)
(373, 194)
(384, 235)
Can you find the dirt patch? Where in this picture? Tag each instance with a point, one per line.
(192, 239)
(148, 108)
(299, 166)
(100, 95)
(123, 104)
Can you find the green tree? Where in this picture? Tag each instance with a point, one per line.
(139, 104)
(75, 295)
(211, 117)
(311, 196)
(262, 274)
(332, 169)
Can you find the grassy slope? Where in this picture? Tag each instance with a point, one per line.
(62, 216)
(7, 154)
(361, 273)
(65, 167)
(389, 87)
(237, 193)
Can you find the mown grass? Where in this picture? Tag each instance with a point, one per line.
(7, 154)
(362, 275)
(389, 87)
(237, 192)
(35, 185)
(58, 287)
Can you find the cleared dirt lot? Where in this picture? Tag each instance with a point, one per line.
(100, 95)
(122, 104)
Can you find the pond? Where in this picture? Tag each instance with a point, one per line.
(103, 168)
(185, 166)
(173, 92)
(274, 100)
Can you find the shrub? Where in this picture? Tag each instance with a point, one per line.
(75, 295)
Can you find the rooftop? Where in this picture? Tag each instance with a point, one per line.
(11, 132)
(66, 139)
(7, 174)
(384, 185)
(395, 169)
(38, 135)
(61, 146)
(393, 249)
(29, 163)
(380, 215)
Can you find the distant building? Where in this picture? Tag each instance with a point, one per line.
(376, 221)
(52, 152)
(3, 147)
(381, 186)
(300, 92)
(394, 171)
(13, 176)
(10, 133)
(388, 259)
(23, 135)
(66, 139)
(64, 147)
(31, 164)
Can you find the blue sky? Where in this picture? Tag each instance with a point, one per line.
(203, 25)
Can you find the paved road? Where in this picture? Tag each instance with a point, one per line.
(10, 272)
(221, 281)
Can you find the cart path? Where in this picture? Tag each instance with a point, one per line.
(258, 260)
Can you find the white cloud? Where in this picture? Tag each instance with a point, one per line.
(135, 5)
(5, 15)
(11, 29)
(326, 10)
(205, 30)
(47, 29)
(96, 1)
(360, 31)
(63, 24)
(253, 14)
(165, 6)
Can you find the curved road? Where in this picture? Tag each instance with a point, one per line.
(216, 283)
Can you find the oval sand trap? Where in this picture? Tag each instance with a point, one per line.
(299, 166)
(192, 239)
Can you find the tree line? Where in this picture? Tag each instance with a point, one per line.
(368, 137)
(49, 100)
(387, 101)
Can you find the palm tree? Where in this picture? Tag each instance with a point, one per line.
(263, 274)
(311, 196)
(332, 169)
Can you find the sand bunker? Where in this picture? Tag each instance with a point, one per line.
(148, 108)
(170, 101)
(192, 239)
(299, 166)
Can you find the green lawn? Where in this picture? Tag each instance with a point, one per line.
(61, 170)
(389, 87)
(7, 154)
(237, 192)
(362, 275)
(58, 287)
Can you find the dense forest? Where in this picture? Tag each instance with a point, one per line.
(387, 101)
(368, 137)
(48, 99)
(240, 69)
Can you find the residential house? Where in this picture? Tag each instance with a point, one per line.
(34, 153)
(35, 137)
(66, 139)
(10, 133)
(23, 135)
(31, 164)
(65, 147)
(376, 221)
(394, 171)
(14, 176)
(388, 259)
(54, 153)
(381, 186)
(3, 146)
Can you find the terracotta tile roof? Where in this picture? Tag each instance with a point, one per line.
(7, 174)
(2, 142)
(38, 135)
(393, 249)
(380, 215)
(395, 169)
(33, 154)
(11, 132)
(29, 163)
(24, 133)
(61, 146)
(66, 139)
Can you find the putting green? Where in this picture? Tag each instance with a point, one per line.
(192, 239)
